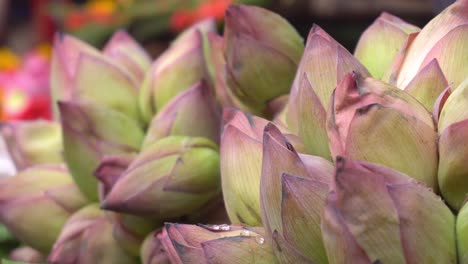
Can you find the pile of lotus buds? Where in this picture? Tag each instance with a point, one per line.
(250, 147)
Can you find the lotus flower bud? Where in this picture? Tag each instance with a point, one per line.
(36, 203)
(194, 112)
(324, 64)
(260, 62)
(152, 250)
(177, 69)
(241, 163)
(87, 238)
(380, 43)
(128, 230)
(453, 147)
(443, 38)
(89, 133)
(27, 255)
(172, 177)
(33, 142)
(365, 113)
(78, 68)
(462, 234)
(216, 244)
(378, 215)
(293, 191)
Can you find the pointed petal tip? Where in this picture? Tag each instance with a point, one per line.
(228, 114)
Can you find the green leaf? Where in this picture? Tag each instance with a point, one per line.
(5, 234)
(6, 261)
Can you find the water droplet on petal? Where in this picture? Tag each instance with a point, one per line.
(260, 240)
(225, 227)
(245, 233)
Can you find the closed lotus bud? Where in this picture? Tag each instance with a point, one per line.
(444, 38)
(216, 244)
(453, 147)
(293, 191)
(324, 64)
(193, 112)
(87, 238)
(128, 230)
(260, 62)
(172, 177)
(152, 250)
(241, 163)
(376, 122)
(177, 69)
(462, 235)
(78, 68)
(91, 132)
(380, 43)
(32, 142)
(36, 203)
(379, 215)
(27, 255)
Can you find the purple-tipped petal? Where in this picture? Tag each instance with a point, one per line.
(256, 72)
(448, 52)
(312, 112)
(193, 112)
(416, 142)
(454, 109)
(427, 224)
(437, 29)
(279, 157)
(241, 161)
(428, 84)
(152, 250)
(380, 43)
(302, 205)
(219, 81)
(439, 104)
(368, 212)
(257, 22)
(110, 169)
(453, 164)
(124, 50)
(176, 70)
(341, 246)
